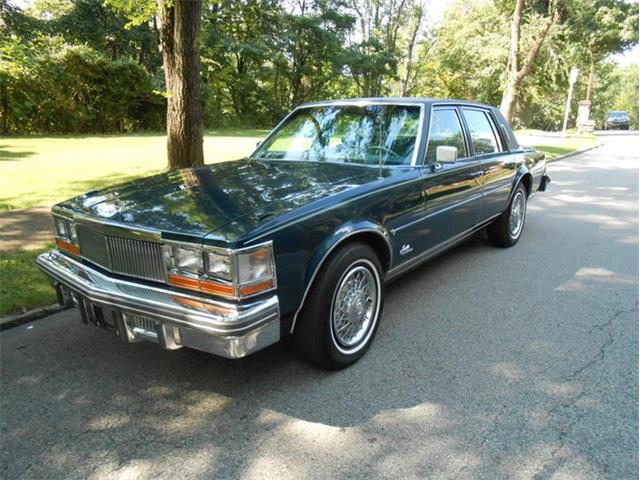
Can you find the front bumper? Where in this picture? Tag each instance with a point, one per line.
(137, 312)
(617, 125)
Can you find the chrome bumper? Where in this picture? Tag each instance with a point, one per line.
(139, 312)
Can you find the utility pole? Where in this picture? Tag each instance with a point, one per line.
(573, 76)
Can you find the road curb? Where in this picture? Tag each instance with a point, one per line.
(573, 154)
(11, 321)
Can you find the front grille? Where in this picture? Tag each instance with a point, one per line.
(136, 258)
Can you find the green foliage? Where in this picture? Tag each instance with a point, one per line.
(47, 85)
(469, 58)
(94, 65)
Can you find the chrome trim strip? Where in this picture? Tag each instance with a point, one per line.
(197, 313)
(117, 229)
(433, 214)
(508, 186)
(432, 252)
(323, 259)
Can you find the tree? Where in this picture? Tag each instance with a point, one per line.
(180, 22)
(600, 28)
(465, 57)
(179, 30)
(519, 68)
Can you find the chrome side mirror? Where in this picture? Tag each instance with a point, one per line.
(445, 154)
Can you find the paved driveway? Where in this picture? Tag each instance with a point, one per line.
(517, 363)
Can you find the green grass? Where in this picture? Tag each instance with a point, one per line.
(46, 170)
(22, 285)
(557, 145)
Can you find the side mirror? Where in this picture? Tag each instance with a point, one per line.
(446, 154)
(258, 143)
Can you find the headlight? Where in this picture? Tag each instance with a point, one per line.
(218, 265)
(232, 274)
(72, 232)
(61, 227)
(185, 259)
(66, 234)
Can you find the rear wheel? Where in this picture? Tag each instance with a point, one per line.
(340, 316)
(506, 230)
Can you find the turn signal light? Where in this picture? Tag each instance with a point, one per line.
(201, 285)
(69, 247)
(256, 287)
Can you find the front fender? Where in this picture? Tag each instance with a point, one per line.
(340, 235)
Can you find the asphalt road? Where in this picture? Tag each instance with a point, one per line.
(518, 363)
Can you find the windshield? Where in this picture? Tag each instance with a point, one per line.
(361, 134)
(618, 114)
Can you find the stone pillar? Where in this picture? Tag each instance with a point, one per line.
(584, 124)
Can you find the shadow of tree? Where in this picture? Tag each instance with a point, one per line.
(10, 155)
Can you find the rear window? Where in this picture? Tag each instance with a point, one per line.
(483, 134)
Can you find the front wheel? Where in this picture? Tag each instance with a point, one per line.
(340, 316)
(506, 230)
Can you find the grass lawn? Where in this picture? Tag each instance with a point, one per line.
(555, 146)
(46, 170)
(22, 285)
(40, 171)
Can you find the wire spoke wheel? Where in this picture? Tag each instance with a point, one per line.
(355, 307)
(516, 216)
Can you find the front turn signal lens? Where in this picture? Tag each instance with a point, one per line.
(256, 288)
(69, 247)
(206, 286)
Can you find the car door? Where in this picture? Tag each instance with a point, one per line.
(499, 165)
(453, 191)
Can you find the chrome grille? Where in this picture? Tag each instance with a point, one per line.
(136, 258)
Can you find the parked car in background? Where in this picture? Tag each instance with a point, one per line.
(617, 120)
(298, 239)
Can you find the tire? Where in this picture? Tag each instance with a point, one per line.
(321, 334)
(503, 232)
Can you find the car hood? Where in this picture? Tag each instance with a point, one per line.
(197, 201)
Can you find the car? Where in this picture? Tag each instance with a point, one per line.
(299, 239)
(617, 120)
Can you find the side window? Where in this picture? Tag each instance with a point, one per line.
(483, 135)
(445, 130)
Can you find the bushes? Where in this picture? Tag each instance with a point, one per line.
(49, 86)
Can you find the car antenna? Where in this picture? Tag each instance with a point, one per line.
(380, 153)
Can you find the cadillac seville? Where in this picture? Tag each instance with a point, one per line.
(298, 239)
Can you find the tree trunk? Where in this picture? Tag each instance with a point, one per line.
(517, 73)
(179, 31)
(507, 105)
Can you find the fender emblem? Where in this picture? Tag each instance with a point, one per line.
(406, 248)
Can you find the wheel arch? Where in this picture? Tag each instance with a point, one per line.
(525, 177)
(370, 233)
